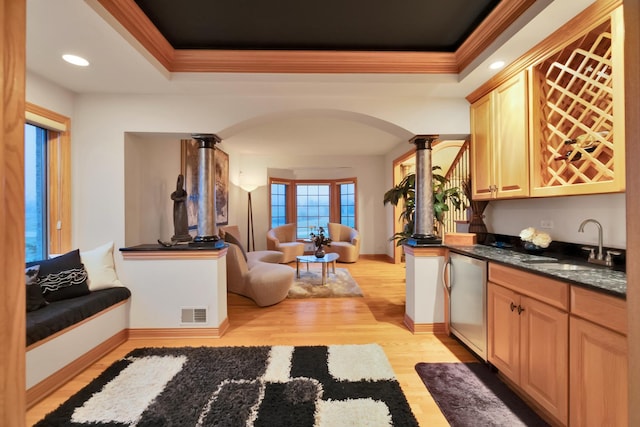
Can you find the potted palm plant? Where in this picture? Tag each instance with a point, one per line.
(405, 191)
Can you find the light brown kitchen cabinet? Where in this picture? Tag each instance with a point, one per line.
(528, 336)
(598, 360)
(503, 332)
(577, 98)
(499, 142)
(570, 90)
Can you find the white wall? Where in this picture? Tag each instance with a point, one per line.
(511, 216)
(45, 94)
(152, 165)
(101, 123)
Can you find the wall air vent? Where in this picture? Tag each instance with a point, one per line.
(193, 315)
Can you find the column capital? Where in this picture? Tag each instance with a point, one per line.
(423, 142)
(206, 140)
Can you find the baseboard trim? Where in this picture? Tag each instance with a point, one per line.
(377, 257)
(162, 333)
(59, 378)
(424, 328)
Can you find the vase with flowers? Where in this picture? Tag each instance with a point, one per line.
(535, 241)
(319, 241)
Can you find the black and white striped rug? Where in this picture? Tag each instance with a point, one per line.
(340, 385)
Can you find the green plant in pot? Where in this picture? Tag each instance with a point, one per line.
(405, 191)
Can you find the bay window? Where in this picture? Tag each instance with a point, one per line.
(312, 203)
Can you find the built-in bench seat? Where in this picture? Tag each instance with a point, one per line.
(77, 312)
(59, 315)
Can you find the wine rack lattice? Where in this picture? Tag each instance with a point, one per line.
(576, 102)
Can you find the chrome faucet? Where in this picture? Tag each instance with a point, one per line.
(599, 256)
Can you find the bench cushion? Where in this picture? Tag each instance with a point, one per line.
(59, 315)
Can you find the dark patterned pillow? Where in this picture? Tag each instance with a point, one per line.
(35, 300)
(230, 238)
(63, 277)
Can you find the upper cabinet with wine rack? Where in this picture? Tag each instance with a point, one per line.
(575, 104)
(577, 145)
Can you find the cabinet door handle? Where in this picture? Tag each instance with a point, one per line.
(446, 278)
(512, 306)
(520, 309)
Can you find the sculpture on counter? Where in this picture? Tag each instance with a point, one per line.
(180, 222)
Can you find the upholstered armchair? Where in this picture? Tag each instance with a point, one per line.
(345, 241)
(231, 234)
(258, 278)
(283, 239)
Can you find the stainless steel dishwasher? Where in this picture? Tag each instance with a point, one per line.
(467, 289)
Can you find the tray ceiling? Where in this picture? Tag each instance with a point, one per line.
(351, 25)
(332, 36)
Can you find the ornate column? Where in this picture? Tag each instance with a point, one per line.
(207, 230)
(423, 213)
(425, 296)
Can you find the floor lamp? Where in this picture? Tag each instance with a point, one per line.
(250, 235)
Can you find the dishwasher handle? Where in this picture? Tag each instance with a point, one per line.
(446, 274)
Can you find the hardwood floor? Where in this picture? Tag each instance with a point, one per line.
(376, 318)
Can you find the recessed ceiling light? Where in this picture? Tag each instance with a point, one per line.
(75, 60)
(496, 65)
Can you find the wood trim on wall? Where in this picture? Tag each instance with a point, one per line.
(168, 253)
(12, 253)
(631, 13)
(424, 328)
(178, 333)
(135, 22)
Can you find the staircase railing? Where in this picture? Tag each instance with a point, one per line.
(457, 174)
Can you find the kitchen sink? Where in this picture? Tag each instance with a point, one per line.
(562, 266)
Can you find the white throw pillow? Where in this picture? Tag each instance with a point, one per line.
(99, 265)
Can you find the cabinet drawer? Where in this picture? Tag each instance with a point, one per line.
(551, 291)
(605, 310)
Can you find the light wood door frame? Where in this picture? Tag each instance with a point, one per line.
(631, 12)
(12, 253)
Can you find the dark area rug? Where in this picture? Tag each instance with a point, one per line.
(470, 395)
(341, 385)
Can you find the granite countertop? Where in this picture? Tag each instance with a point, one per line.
(595, 277)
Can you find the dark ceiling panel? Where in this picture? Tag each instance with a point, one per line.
(374, 25)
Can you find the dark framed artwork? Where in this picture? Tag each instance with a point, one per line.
(189, 168)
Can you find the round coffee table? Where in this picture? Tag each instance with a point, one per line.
(329, 258)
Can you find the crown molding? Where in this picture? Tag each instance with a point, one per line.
(582, 23)
(133, 20)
